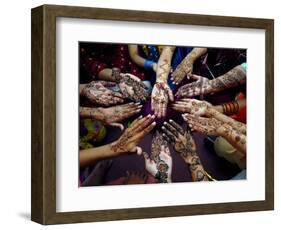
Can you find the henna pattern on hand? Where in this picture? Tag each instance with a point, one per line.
(161, 166)
(199, 87)
(160, 96)
(156, 143)
(132, 88)
(193, 106)
(184, 144)
(232, 78)
(208, 126)
(133, 134)
(97, 93)
(182, 141)
(182, 70)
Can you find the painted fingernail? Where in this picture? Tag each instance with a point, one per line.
(149, 115)
(140, 117)
(137, 103)
(153, 116)
(154, 123)
(138, 110)
(165, 123)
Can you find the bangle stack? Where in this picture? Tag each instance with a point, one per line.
(230, 108)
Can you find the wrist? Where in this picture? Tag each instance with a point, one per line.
(218, 108)
(211, 111)
(161, 81)
(114, 150)
(191, 58)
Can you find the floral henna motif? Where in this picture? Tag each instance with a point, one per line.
(161, 168)
(97, 93)
(185, 145)
(193, 106)
(161, 94)
(157, 142)
(200, 87)
(183, 69)
(132, 88)
(208, 126)
(232, 78)
(162, 173)
(183, 142)
(132, 135)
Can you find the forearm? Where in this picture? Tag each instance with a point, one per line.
(231, 108)
(232, 78)
(236, 139)
(136, 58)
(196, 168)
(92, 155)
(196, 53)
(92, 113)
(189, 155)
(236, 125)
(164, 64)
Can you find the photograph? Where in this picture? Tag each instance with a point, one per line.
(154, 114)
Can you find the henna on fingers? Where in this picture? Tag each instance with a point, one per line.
(193, 106)
(97, 93)
(131, 86)
(185, 68)
(161, 94)
(161, 168)
(184, 144)
(132, 135)
(200, 86)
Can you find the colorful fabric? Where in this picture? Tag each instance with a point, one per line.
(96, 57)
(91, 131)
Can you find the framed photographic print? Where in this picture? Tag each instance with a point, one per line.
(140, 114)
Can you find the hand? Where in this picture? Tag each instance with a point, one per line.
(193, 106)
(132, 135)
(208, 126)
(132, 87)
(157, 142)
(185, 68)
(182, 140)
(161, 94)
(185, 145)
(118, 113)
(161, 169)
(97, 93)
(200, 87)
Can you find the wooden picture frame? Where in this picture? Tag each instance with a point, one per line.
(43, 208)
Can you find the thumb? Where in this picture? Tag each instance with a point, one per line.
(170, 93)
